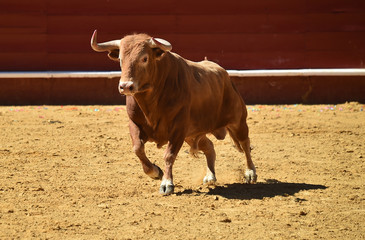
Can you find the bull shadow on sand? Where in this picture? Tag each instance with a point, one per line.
(270, 188)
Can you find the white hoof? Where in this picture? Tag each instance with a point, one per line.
(250, 176)
(210, 179)
(167, 187)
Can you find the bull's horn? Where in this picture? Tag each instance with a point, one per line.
(160, 43)
(103, 47)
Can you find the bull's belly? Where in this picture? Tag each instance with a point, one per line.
(193, 133)
(217, 129)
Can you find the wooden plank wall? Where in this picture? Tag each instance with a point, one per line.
(238, 34)
(254, 90)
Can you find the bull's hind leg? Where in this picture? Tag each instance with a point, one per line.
(149, 168)
(204, 144)
(208, 149)
(239, 134)
(250, 174)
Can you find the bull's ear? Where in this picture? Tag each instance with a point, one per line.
(159, 47)
(158, 53)
(114, 55)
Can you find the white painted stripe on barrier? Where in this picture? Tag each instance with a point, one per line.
(297, 72)
(60, 74)
(232, 73)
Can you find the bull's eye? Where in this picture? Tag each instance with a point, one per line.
(144, 59)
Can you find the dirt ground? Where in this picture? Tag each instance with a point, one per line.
(68, 172)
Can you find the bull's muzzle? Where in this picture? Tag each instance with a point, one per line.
(126, 88)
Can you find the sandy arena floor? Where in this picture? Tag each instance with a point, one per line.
(69, 173)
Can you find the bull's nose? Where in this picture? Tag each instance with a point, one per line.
(126, 87)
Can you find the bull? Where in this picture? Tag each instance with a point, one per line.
(171, 100)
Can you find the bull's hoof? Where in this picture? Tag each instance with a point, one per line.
(156, 173)
(210, 179)
(160, 173)
(166, 187)
(250, 176)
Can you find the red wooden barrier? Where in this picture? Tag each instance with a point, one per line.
(238, 34)
(47, 35)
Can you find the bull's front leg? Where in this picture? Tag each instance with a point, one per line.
(149, 168)
(167, 185)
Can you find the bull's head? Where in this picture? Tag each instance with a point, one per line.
(138, 56)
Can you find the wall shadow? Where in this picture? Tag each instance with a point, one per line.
(270, 188)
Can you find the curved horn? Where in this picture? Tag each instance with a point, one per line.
(160, 43)
(103, 47)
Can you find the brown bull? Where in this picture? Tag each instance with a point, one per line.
(171, 100)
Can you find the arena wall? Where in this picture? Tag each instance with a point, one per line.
(45, 35)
